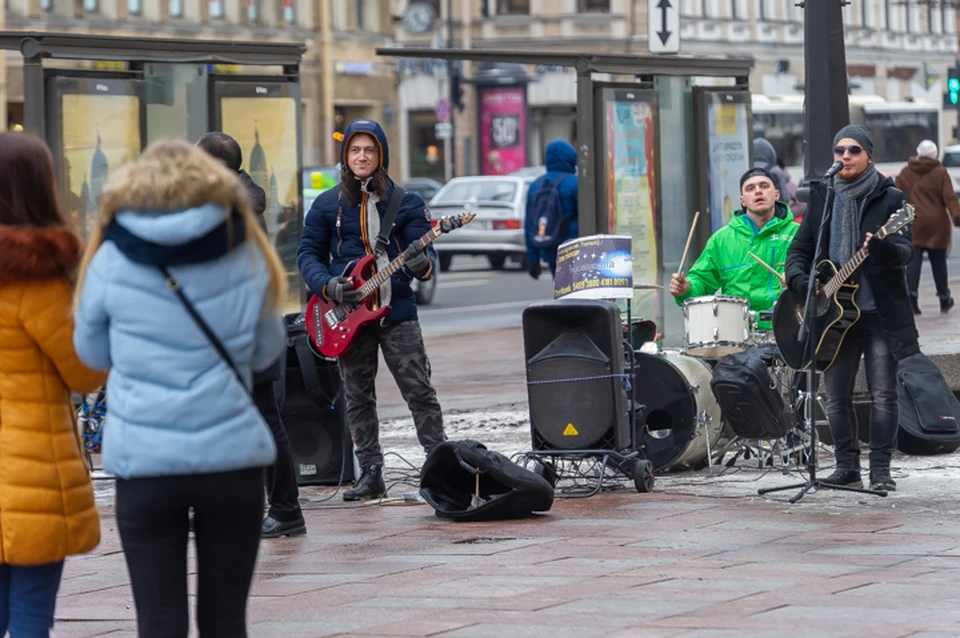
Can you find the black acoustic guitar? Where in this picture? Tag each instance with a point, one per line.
(836, 308)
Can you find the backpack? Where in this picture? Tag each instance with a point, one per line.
(465, 481)
(750, 401)
(550, 226)
(929, 411)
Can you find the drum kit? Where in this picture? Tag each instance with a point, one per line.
(679, 421)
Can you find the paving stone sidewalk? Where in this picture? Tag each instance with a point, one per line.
(701, 556)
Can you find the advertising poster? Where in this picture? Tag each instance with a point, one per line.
(503, 130)
(100, 134)
(631, 180)
(729, 142)
(266, 129)
(594, 267)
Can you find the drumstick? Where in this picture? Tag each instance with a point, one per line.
(782, 279)
(693, 227)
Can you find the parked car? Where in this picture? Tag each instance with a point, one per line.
(951, 162)
(425, 187)
(530, 172)
(497, 232)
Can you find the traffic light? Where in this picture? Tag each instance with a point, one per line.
(456, 92)
(951, 99)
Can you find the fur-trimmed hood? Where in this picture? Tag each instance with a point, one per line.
(28, 252)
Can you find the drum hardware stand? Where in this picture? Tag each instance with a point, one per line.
(809, 325)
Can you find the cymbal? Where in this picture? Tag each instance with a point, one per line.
(639, 286)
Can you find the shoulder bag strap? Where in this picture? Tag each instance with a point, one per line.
(175, 288)
(383, 239)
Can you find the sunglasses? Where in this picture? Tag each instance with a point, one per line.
(853, 149)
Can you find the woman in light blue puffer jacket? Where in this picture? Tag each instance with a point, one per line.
(182, 432)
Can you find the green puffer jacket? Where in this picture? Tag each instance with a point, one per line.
(725, 265)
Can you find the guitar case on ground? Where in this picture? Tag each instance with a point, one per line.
(929, 411)
(465, 481)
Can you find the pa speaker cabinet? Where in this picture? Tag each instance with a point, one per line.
(319, 438)
(574, 360)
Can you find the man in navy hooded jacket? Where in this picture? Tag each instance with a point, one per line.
(342, 227)
(561, 163)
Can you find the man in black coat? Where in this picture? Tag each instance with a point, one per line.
(885, 332)
(285, 517)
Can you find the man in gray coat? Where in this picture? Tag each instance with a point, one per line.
(765, 157)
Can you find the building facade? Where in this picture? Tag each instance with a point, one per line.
(350, 81)
(897, 56)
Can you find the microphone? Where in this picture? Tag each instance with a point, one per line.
(833, 170)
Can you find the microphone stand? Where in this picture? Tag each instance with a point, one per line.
(809, 325)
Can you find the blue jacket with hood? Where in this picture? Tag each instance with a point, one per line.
(336, 234)
(765, 157)
(561, 163)
(175, 406)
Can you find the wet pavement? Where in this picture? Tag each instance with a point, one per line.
(703, 555)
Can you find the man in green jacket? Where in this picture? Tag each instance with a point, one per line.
(764, 227)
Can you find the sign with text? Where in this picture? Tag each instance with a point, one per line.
(729, 139)
(503, 130)
(595, 267)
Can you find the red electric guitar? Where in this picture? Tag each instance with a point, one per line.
(332, 325)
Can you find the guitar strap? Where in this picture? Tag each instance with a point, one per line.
(393, 207)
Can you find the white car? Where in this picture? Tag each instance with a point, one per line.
(497, 231)
(951, 162)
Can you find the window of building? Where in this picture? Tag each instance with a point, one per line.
(253, 11)
(736, 10)
(513, 7)
(289, 12)
(768, 10)
(368, 15)
(46, 5)
(91, 6)
(176, 8)
(134, 7)
(216, 8)
(593, 6)
(688, 7)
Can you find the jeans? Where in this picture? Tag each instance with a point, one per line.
(28, 597)
(866, 337)
(153, 519)
(282, 492)
(938, 263)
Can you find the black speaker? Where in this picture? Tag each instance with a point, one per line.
(316, 425)
(574, 361)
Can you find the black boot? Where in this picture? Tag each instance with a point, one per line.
(946, 304)
(370, 485)
(916, 305)
(880, 479)
(850, 478)
(273, 528)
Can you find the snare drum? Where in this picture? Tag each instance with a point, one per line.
(715, 326)
(676, 410)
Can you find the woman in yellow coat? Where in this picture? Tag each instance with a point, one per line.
(47, 510)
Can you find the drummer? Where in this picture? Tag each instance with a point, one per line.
(765, 227)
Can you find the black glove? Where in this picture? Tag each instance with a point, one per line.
(340, 289)
(881, 248)
(534, 268)
(416, 260)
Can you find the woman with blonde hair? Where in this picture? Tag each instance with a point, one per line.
(47, 511)
(179, 296)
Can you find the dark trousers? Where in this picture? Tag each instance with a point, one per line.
(938, 263)
(406, 358)
(28, 597)
(282, 492)
(153, 518)
(868, 338)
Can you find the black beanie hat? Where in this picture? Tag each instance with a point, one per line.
(856, 132)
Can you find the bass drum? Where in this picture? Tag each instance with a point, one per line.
(672, 398)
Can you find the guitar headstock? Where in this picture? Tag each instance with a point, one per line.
(898, 220)
(455, 221)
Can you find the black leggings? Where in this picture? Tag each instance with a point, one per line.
(153, 520)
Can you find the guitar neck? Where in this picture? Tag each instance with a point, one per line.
(848, 269)
(383, 275)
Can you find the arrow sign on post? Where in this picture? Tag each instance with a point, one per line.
(663, 26)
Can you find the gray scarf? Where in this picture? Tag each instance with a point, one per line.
(846, 213)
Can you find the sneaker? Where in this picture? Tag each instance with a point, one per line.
(880, 480)
(849, 478)
(946, 304)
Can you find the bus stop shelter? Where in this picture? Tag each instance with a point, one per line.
(658, 138)
(99, 100)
